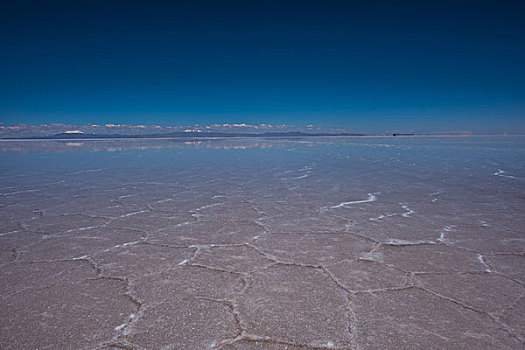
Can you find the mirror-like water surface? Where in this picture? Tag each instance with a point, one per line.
(350, 243)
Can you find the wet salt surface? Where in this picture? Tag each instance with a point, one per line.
(332, 243)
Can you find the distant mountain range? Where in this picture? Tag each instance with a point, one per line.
(76, 136)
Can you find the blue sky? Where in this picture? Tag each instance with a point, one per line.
(374, 66)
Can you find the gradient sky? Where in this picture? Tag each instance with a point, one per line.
(372, 66)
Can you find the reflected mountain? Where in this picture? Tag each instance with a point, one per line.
(59, 146)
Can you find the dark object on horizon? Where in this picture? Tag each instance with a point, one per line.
(398, 134)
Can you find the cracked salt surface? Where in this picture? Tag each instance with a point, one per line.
(371, 198)
(255, 252)
(502, 173)
(444, 233)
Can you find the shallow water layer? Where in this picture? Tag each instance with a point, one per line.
(300, 243)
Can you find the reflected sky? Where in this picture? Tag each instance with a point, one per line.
(335, 157)
(412, 221)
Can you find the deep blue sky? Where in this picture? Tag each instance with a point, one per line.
(372, 65)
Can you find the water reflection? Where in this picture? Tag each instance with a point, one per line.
(59, 146)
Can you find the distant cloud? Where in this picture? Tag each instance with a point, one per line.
(24, 130)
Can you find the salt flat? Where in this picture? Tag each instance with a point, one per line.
(300, 243)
